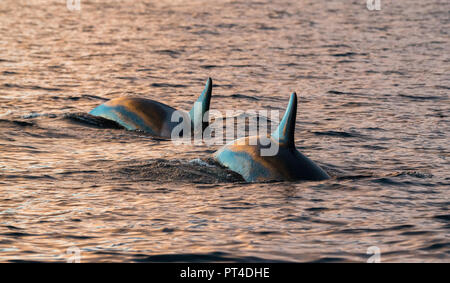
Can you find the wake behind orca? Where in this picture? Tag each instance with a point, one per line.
(152, 116)
(244, 156)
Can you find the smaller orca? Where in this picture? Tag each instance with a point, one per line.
(245, 155)
(151, 116)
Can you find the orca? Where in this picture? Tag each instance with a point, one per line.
(151, 116)
(245, 155)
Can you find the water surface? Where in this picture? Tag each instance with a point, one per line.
(373, 111)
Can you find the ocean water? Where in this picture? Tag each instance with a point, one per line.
(373, 111)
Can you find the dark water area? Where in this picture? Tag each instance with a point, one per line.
(373, 111)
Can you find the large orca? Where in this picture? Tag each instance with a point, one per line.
(151, 116)
(245, 156)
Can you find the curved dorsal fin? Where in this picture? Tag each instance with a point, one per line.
(285, 131)
(201, 106)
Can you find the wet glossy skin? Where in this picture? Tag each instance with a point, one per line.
(138, 114)
(289, 164)
(244, 156)
(152, 116)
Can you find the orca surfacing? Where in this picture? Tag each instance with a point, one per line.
(152, 116)
(244, 156)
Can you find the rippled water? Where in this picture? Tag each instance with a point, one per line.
(373, 111)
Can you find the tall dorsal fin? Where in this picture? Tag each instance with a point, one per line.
(201, 106)
(285, 131)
